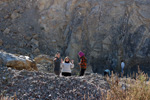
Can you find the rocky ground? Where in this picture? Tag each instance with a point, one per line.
(46, 86)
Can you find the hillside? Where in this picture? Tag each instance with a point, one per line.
(107, 31)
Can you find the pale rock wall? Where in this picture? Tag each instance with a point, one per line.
(106, 30)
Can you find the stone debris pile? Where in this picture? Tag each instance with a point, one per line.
(28, 85)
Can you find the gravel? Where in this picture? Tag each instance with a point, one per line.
(46, 86)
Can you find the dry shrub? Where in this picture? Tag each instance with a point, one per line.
(137, 89)
(5, 98)
(8, 98)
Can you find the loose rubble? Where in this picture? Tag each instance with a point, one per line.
(35, 85)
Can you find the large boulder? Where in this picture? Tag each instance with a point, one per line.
(44, 63)
(43, 59)
(18, 62)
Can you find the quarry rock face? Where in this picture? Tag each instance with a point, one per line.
(1, 42)
(106, 31)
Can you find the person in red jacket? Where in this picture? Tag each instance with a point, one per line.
(83, 63)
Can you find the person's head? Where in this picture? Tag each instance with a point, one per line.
(67, 60)
(81, 54)
(121, 60)
(57, 55)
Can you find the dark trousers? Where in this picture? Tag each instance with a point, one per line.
(106, 74)
(82, 71)
(66, 74)
(57, 73)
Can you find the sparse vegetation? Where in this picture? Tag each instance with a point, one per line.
(8, 98)
(132, 89)
(5, 98)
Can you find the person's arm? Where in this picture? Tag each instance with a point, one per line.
(55, 59)
(71, 65)
(62, 65)
(80, 62)
(62, 61)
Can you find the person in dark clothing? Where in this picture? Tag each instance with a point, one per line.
(107, 72)
(57, 62)
(83, 63)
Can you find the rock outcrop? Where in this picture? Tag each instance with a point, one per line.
(44, 63)
(17, 62)
(107, 31)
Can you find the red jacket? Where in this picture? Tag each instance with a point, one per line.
(83, 62)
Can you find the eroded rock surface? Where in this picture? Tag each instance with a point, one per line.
(107, 31)
(44, 63)
(18, 62)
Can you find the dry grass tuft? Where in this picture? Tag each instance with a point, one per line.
(137, 89)
(5, 98)
(8, 98)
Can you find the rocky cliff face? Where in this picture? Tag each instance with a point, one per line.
(107, 31)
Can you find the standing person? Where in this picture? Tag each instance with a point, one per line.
(66, 66)
(122, 66)
(57, 62)
(83, 63)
